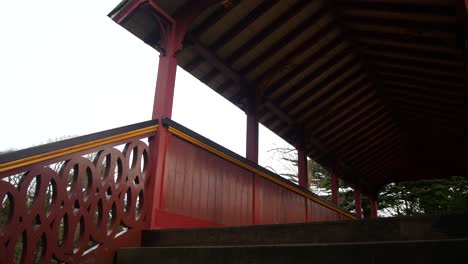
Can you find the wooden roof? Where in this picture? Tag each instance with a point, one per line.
(375, 88)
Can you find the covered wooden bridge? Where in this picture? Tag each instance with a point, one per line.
(374, 90)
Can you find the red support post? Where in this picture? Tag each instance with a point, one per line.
(162, 107)
(173, 30)
(302, 169)
(252, 136)
(252, 155)
(357, 202)
(373, 206)
(334, 189)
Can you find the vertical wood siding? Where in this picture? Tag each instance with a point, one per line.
(201, 185)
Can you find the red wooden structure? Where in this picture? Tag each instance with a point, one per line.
(374, 90)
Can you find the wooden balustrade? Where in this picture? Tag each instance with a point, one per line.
(81, 199)
(76, 200)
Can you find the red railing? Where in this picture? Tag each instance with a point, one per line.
(80, 200)
(77, 200)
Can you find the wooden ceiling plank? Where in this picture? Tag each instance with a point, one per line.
(375, 155)
(408, 25)
(382, 65)
(313, 117)
(283, 19)
(362, 109)
(390, 43)
(341, 90)
(409, 33)
(371, 150)
(368, 104)
(363, 132)
(313, 39)
(393, 15)
(337, 79)
(454, 101)
(414, 79)
(388, 132)
(209, 21)
(425, 105)
(361, 124)
(415, 57)
(243, 24)
(336, 54)
(401, 37)
(412, 85)
(235, 30)
(435, 7)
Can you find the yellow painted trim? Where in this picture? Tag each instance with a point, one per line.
(255, 170)
(76, 148)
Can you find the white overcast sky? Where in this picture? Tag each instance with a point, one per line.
(66, 69)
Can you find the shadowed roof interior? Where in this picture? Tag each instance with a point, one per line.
(374, 89)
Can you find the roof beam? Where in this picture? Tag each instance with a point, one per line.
(384, 54)
(410, 45)
(366, 103)
(267, 31)
(425, 88)
(342, 90)
(399, 36)
(424, 81)
(329, 46)
(335, 81)
(444, 75)
(376, 139)
(338, 105)
(363, 132)
(290, 37)
(361, 123)
(212, 19)
(236, 30)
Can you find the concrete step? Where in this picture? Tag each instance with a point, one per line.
(414, 252)
(382, 229)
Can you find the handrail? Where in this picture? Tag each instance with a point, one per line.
(205, 143)
(24, 157)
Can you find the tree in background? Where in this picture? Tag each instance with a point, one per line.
(410, 198)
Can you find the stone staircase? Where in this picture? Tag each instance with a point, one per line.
(428, 239)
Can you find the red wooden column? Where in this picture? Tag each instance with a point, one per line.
(302, 169)
(252, 136)
(334, 189)
(357, 202)
(173, 30)
(373, 206)
(252, 155)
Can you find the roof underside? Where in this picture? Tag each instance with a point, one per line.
(375, 88)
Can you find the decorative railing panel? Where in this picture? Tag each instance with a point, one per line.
(66, 209)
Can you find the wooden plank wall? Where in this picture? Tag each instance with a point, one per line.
(203, 189)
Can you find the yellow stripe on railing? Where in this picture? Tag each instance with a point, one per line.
(255, 170)
(76, 148)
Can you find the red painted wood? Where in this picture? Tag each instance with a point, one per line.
(201, 188)
(357, 203)
(256, 199)
(157, 154)
(252, 137)
(302, 169)
(201, 185)
(334, 189)
(373, 207)
(280, 205)
(91, 203)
